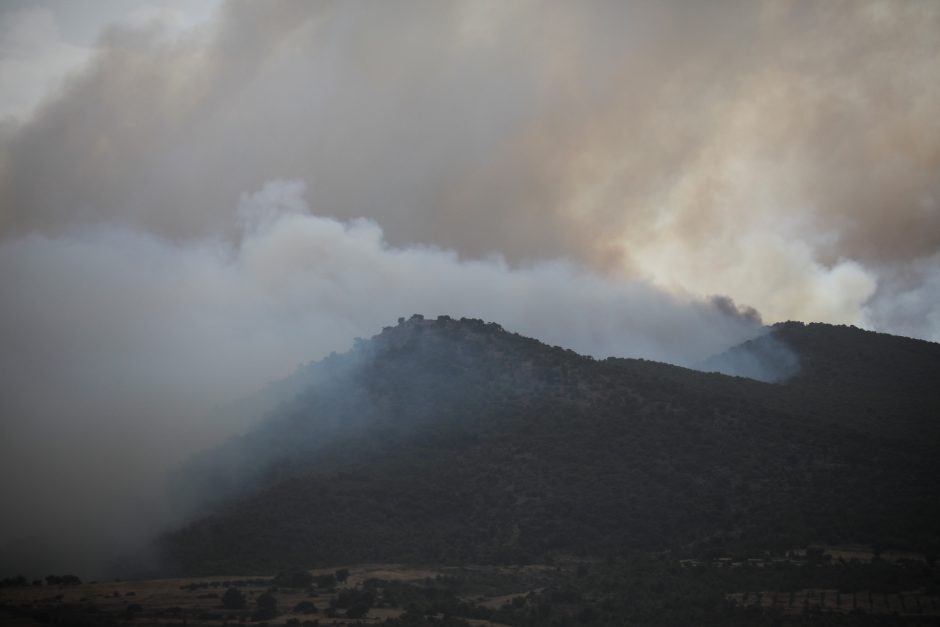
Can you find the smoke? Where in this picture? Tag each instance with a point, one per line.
(766, 358)
(908, 302)
(32, 52)
(119, 345)
(782, 153)
(580, 172)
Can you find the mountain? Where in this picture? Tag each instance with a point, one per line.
(454, 441)
(868, 382)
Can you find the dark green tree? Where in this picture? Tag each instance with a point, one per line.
(267, 606)
(233, 599)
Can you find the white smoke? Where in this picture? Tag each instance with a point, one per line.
(118, 343)
(781, 153)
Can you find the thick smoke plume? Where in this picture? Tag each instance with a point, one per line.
(783, 153)
(119, 345)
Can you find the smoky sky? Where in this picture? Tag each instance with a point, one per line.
(783, 153)
(124, 352)
(191, 213)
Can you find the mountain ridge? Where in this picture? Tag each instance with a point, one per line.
(455, 441)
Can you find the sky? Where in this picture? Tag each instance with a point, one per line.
(198, 195)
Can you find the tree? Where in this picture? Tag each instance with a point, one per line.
(357, 611)
(326, 582)
(233, 599)
(267, 606)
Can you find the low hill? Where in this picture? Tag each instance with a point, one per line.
(454, 441)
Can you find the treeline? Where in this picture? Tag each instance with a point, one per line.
(52, 580)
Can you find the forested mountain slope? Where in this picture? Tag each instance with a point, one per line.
(865, 381)
(455, 441)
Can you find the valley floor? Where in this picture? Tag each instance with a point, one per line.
(637, 591)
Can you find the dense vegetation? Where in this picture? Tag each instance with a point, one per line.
(456, 442)
(871, 382)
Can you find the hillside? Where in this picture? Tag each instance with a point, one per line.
(454, 441)
(865, 381)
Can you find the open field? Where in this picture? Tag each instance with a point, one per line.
(198, 600)
(643, 589)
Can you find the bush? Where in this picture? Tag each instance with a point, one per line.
(305, 607)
